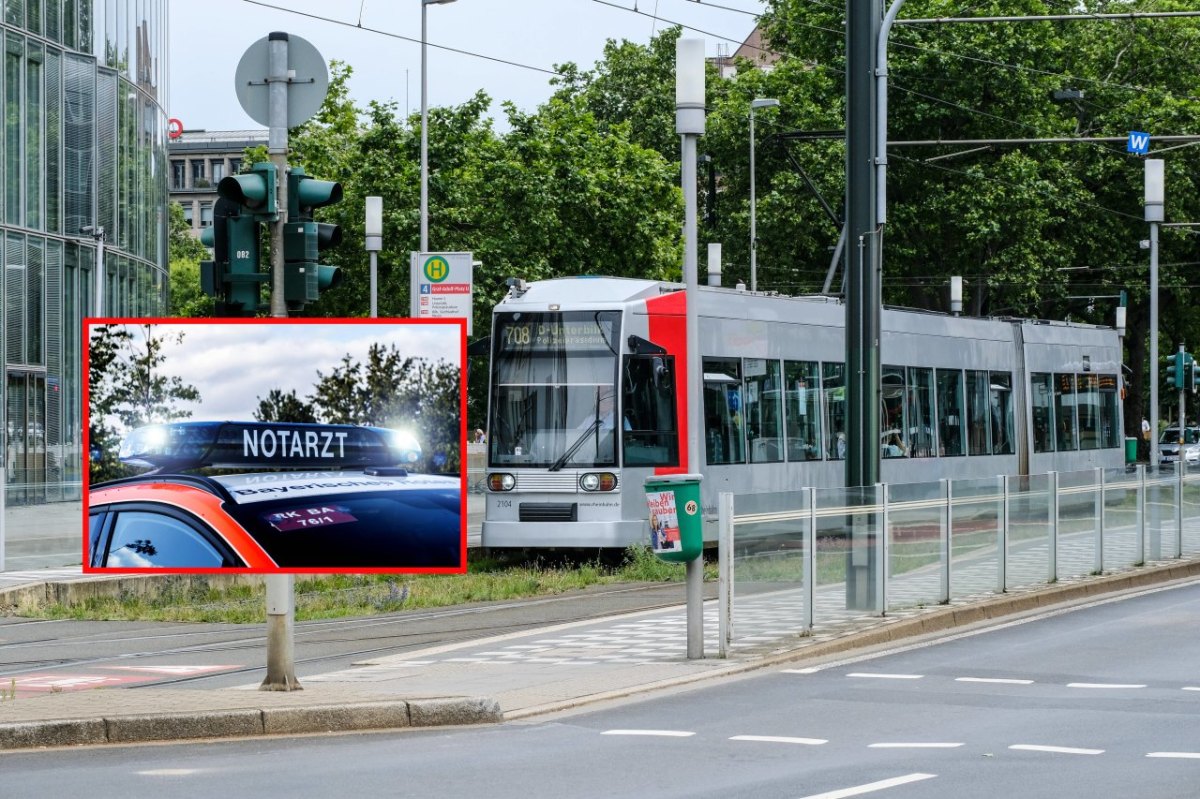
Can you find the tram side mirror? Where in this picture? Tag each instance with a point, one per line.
(663, 379)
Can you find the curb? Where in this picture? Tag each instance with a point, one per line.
(249, 722)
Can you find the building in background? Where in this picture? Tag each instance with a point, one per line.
(84, 150)
(199, 159)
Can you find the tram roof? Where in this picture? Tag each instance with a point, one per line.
(592, 291)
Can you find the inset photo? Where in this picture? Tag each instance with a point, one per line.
(260, 445)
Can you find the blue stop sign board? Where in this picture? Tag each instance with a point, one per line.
(1138, 143)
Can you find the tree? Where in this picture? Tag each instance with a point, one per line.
(281, 407)
(185, 252)
(389, 390)
(128, 389)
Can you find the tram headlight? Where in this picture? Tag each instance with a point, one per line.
(501, 481)
(598, 481)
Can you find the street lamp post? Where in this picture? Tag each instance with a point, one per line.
(689, 124)
(424, 131)
(755, 104)
(1154, 215)
(98, 234)
(374, 243)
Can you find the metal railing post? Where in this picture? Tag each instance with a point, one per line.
(810, 559)
(1052, 549)
(947, 527)
(724, 573)
(1179, 509)
(884, 549)
(1002, 539)
(1140, 477)
(1100, 521)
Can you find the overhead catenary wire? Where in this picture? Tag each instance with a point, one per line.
(390, 35)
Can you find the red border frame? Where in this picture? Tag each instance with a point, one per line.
(459, 324)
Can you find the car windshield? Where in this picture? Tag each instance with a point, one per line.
(1191, 435)
(388, 529)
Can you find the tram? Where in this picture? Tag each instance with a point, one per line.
(588, 398)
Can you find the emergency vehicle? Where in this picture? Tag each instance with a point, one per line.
(321, 498)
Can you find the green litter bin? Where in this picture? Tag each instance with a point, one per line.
(676, 521)
(1131, 450)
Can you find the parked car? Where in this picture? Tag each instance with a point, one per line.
(1169, 445)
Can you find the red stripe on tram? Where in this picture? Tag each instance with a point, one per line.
(668, 329)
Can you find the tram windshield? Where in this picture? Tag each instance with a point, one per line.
(554, 389)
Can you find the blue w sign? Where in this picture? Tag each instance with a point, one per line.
(1138, 143)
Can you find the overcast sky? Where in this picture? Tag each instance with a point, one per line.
(208, 38)
(233, 365)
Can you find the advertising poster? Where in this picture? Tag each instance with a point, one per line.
(664, 521)
(246, 445)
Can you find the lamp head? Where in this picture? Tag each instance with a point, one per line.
(764, 102)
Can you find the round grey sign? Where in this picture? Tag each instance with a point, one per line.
(309, 80)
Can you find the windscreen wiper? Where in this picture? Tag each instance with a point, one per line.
(571, 450)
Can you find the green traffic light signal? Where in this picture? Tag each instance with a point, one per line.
(306, 193)
(305, 239)
(254, 191)
(232, 277)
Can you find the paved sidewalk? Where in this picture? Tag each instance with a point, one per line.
(502, 678)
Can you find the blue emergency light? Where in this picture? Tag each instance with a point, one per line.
(267, 445)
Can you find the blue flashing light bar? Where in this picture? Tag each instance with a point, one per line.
(267, 445)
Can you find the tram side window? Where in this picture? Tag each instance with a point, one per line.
(651, 437)
(803, 410)
(977, 413)
(1000, 388)
(724, 439)
(1087, 396)
(919, 413)
(763, 413)
(894, 443)
(1110, 431)
(1064, 413)
(950, 412)
(833, 388)
(1041, 390)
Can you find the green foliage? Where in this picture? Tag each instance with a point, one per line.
(127, 389)
(280, 407)
(185, 252)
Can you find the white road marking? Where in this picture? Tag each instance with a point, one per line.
(1062, 750)
(925, 745)
(871, 787)
(877, 676)
(779, 739)
(996, 680)
(1191, 687)
(810, 670)
(661, 733)
(1181, 755)
(1101, 685)
(168, 772)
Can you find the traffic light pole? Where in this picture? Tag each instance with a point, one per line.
(277, 147)
(281, 606)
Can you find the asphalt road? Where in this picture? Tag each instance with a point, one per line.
(1100, 701)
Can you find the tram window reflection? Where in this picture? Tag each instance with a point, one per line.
(802, 410)
(1042, 400)
(763, 411)
(724, 436)
(1064, 413)
(833, 389)
(1000, 389)
(919, 413)
(950, 412)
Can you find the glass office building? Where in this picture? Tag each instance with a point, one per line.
(84, 171)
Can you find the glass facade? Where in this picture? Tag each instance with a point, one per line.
(84, 146)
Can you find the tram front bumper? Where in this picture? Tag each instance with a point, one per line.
(598, 534)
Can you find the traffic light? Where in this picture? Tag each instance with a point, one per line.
(233, 276)
(1175, 372)
(1190, 375)
(255, 191)
(305, 239)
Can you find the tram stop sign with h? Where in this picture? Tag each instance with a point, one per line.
(441, 286)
